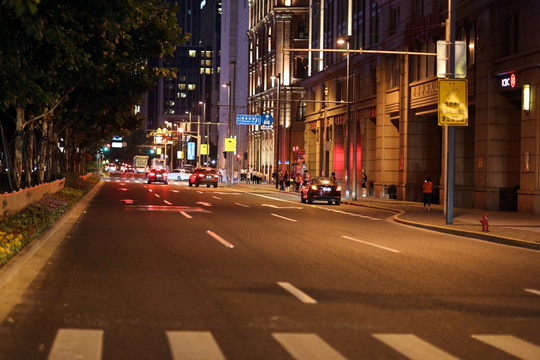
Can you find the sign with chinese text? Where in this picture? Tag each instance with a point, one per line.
(204, 149)
(230, 144)
(453, 102)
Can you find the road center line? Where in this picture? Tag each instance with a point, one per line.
(284, 218)
(156, 195)
(186, 214)
(299, 294)
(533, 291)
(167, 202)
(216, 197)
(220, 239)
(241, 205)
(371, 244)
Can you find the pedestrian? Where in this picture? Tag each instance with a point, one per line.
(428, 192)
(281, 180)
(306, 177)
(333, 176)
(287, 180)
(297, 182)
(364, 181)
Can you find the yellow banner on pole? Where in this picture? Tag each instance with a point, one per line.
(204, 149)
(230, 144)
(453, 102)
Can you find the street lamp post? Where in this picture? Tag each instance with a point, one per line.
(206, 130)
(347, 123)
(277, 131)
(229, 129)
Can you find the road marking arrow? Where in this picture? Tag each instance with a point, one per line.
(203, 203)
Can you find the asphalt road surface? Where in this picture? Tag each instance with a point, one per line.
(176, 272)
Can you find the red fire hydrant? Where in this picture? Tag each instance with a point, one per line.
(484, 220)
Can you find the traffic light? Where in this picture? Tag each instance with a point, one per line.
(237, 156)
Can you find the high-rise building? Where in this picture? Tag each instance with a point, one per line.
(233, 78)
(191, 96)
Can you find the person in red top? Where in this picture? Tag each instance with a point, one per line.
(428, 192)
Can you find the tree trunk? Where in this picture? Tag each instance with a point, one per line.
(43, 151)
(30, 161)
(18, 161)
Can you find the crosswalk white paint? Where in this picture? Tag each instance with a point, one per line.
(307, 347)
(512, 345)
(413, 347)
(87, 344)
(77, 344)
(194, 345)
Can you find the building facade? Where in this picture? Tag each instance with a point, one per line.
(378, 111)
(274, 76)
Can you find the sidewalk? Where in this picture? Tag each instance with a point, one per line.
(509, 228)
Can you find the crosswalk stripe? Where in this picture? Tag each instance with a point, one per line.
(512, 345)
(194, 345)
(77, 344)
(413, 347)
(307, 346)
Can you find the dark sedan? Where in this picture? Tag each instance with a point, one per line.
(157, 175)
(205, 176)
(321, 189)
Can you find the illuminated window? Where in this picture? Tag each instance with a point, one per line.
(192, 53)
(181, 86)
(202, 70)
(208, 54)
(191, 87)
(183, 95)
(208, 71)
(287, 2)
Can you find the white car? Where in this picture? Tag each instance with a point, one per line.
(179, 174)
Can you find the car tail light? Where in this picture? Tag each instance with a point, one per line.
(165, 174)
(152, 173)
(314, 187)
(201, 175)
(216, 176)
(338, 188)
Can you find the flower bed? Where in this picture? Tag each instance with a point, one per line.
(18, 230)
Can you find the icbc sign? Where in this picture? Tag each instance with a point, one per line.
(509, 81)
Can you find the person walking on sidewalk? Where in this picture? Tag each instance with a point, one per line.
(428, 192)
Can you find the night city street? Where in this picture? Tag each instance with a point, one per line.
(169, 271)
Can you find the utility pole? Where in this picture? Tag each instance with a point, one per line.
(450, 134)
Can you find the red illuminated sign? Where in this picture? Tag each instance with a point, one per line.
(509, 81)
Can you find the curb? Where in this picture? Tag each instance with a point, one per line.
(471, 234)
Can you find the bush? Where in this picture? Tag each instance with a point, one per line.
(18, 230)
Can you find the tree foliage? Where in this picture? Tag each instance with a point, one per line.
(81, 66)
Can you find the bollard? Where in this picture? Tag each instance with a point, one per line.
(484, 220)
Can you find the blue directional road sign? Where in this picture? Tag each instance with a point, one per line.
(242, 119)
(267, 120)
